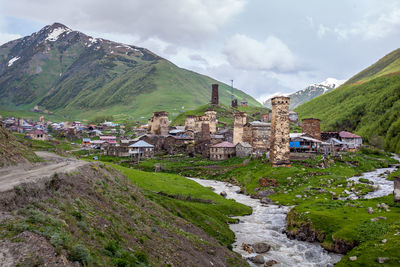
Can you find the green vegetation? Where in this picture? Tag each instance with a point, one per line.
(224, 114)
(368, 104)
(78, 82)
(189, 200)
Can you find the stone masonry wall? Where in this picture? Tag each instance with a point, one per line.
(239, 122)
(312, 127)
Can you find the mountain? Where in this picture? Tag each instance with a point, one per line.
(70, 73)
(310, 92)
(368, 103)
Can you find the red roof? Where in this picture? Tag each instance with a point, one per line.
(224, 144)
(344, 134)
(37, 132)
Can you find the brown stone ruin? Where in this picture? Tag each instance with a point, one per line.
(238, 123)
(279, 155)
(214, 95)
(396, 189)
(312, 127)
(234, 103)
(194, 123)
(159, 123)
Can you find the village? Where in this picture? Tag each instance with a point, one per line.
(200, 135)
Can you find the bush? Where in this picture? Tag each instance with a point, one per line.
(79, 253)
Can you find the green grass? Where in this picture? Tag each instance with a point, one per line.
(211, 217)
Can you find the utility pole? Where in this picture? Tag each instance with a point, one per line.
(232, 90)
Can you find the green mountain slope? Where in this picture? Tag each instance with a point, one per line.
(70, 73)
(369, 104)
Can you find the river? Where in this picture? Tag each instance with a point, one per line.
(266, 224)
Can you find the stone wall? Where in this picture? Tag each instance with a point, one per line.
(312, 127)
(257, 134)
(238, 123)
(194, 123)
(280, 129)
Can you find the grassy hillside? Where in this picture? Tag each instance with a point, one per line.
(97, 217)
(224, 114)
(12, 151)
(368, 104)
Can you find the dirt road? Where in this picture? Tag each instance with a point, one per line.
(14, 175)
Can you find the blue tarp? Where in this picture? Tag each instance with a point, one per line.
(295, 144)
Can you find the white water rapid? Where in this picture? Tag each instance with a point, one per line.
(382, 186)
(265, 224)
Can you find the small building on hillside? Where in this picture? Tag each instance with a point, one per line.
(38, 135)
(117, 151)
(243, 149)
(109, 139)
(243, 103)
(300, 142)
(222, 151)
(141, 149)
(350, 140)
(86, 142)
(293, 117)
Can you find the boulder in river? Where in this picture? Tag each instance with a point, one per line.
(266, 200)
(265, 193)
(259, 259)
(261, 247)
(270, 263)
(223, 193)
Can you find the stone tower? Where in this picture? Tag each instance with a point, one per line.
(212, 118)
(214, 94)
(280, 150)
(159, 123)
(312, 127)
(238, 123)
(190, 122)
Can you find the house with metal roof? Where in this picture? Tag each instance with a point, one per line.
(350, 140)
(141, 149)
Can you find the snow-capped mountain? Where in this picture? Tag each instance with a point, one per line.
(310, 92)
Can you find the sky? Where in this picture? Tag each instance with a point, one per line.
(266, 47)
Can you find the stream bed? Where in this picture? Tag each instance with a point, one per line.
(266, 224)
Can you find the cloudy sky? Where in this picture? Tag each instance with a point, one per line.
(267, 47)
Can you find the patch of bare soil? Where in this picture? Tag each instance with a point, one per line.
(29, 249)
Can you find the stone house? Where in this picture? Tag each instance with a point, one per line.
(38, 135)
(222, 151)
(243, 149)
(257, 134)
(117, 151)
(141, 149)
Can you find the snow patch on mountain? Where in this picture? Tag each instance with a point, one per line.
(11, 61)
(55, 34)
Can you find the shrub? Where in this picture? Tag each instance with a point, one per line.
(79, 253)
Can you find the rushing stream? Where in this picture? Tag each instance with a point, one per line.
(265, 224)
(382, 186)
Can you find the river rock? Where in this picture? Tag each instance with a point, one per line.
(223, 193)
(266, 200)
(382, 259)
(370, 210)
(384, 241)
(265, 193)
(353, 258)
(259, 259)
(270, 263)
(261, 247)
(385, 206)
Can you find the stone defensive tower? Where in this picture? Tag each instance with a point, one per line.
(159, 123)
(280, 150)
(190, 122)
(312, 127)
(238, 123)
(214, 94)
(212, 120)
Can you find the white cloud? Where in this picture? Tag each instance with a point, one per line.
(246, 53)
(6, 37)
(375, 25)
(173, 21)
